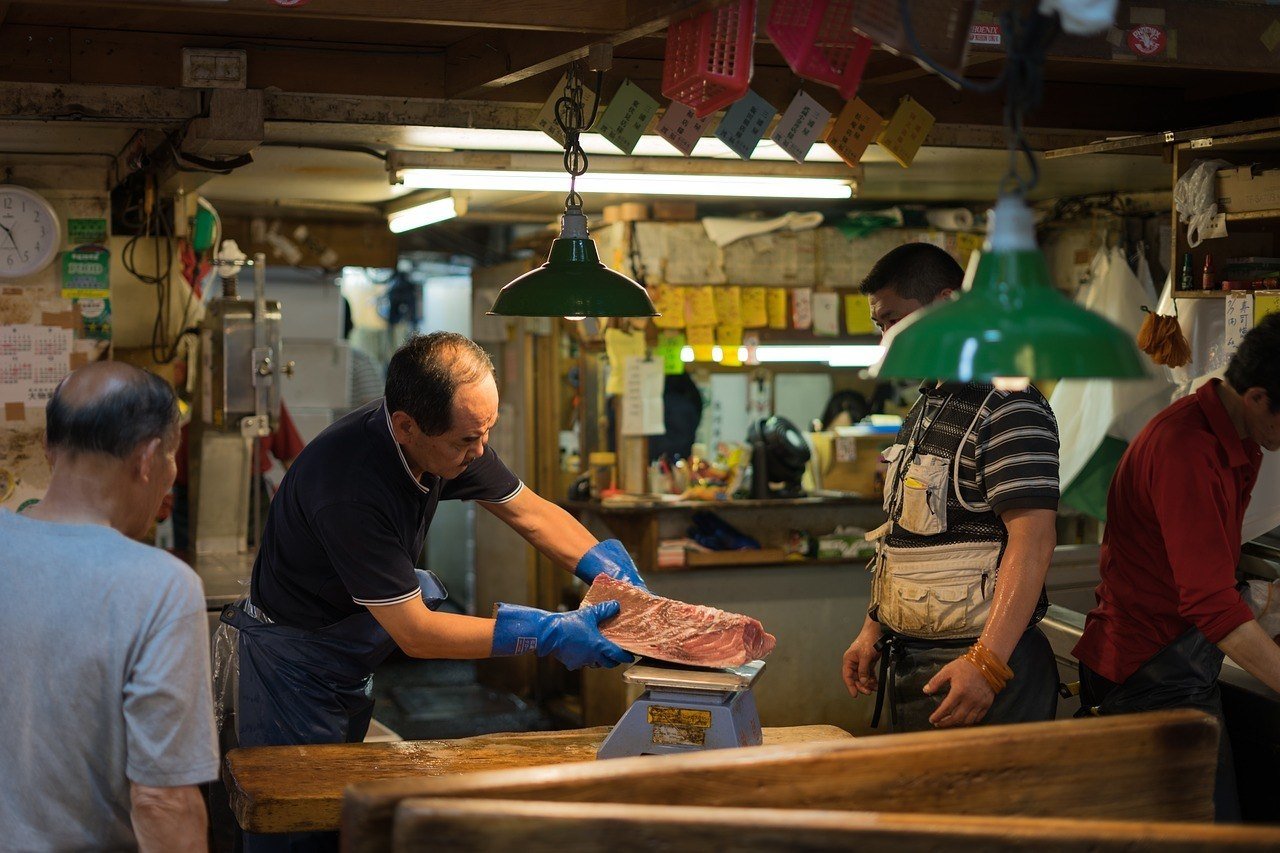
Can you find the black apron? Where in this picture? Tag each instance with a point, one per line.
(907, 664)
(300, 687)
(1184, 674)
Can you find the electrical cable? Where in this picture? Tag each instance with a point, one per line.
(337, 146)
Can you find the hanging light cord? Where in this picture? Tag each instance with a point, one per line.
(569, 109)
(1022, 76)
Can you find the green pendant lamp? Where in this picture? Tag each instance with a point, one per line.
(573, 283)
(1010, 326)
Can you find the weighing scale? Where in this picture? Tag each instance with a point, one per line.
(685, 709)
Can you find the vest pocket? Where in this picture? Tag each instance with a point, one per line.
(949, 611)
(893, 456)
(924, 496)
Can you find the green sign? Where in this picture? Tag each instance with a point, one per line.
(95, 315)
(85, 273)
(670, 345)
(83, 231)
(627, 116)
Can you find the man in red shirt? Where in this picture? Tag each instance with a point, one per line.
(1168, 608)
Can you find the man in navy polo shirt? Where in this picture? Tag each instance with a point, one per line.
(335, 588)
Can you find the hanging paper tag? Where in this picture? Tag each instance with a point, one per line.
(730, 340)
(801, 308)
(857, 315)
(669, 303)
(1265, 304)
(700, 306)
(754, 313)
(776, 304)
(1239, 320)
(681, 127)
(627, 116)
(906, 131)
(826, 314)
(546, 120)
(744, 123)
(642, 409)
(619, 346)
(703, 341)
(966, 244)
(854, 129)
(670, 345)
(728, 305)
(800, 126)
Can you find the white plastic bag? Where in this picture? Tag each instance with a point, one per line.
(1197, 199)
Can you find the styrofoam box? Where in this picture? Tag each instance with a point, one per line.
(311, 422)
(310, 307)
(321, 374)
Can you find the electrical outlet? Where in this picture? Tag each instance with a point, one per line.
(205, 68)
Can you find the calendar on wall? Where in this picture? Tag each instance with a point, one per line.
(33, 359)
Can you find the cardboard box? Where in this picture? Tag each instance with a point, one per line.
(1248, 188)
(675, 210)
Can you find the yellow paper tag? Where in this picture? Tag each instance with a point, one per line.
(906, 131)
(620, 346)
(754, 313)
(1271, 36)
(700, 306)
(730, 339)
(728, 305)
(968, 243)
(1264, 304)
(777, 307)
(857, 315)
(669, 301)
(703, 341)
(853, 130)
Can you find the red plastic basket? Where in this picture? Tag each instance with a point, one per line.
(708, 62)
(816, 39)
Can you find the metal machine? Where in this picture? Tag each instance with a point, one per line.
(238, 403)
(684, 709)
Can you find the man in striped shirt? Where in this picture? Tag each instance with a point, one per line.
(972, 498)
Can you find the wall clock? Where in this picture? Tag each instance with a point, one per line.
(30, 234)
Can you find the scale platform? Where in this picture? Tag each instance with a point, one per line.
(687, 709)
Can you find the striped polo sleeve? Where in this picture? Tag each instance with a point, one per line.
(1018, 452)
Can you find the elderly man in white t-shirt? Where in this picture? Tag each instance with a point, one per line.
(106, 699)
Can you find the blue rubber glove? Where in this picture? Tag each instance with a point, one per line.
(574, 638)
(609, 558)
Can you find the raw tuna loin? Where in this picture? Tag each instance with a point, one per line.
(674, 631)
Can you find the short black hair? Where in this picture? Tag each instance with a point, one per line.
(138, 407)
(845, 401)
(424, 374)
(919, 271)
(1256, 364)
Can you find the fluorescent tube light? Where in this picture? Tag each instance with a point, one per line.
(422, 215)
(630, 183)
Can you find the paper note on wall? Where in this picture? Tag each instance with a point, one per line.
(619, 346)
(1264, 305)
(854, 129)
(730, 340)
(642, 410)
(754, 313)
(681, 127)
(1239, 320)
(906, 131)
(728, 299)
(670, 346)
(700, 306)
(826, 314)
(800, 126)
(702, 339)
(801, 307)
(857, 315)
(776, 305)
(966, 244)
(33, 360)
(668, 300)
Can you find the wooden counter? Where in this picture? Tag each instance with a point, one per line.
(299, 788)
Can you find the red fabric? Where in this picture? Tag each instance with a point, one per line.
(1172, 541)
(284, 444)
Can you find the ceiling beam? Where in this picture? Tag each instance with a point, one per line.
(496, 58)
(599, 16)
(601, 164)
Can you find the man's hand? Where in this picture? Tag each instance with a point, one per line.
(968, 698)
(860, 660)
(610, 558)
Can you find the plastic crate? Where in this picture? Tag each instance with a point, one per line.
(818, 42)
(709, 56)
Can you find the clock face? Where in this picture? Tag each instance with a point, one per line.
(30, 235)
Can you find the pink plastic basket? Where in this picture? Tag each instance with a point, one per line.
(708, 62)
(816, 39)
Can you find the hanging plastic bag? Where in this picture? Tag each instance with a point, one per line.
(1196, 198)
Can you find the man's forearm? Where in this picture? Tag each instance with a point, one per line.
(545, 526)
(1032, 537)
(1250, 647)
(169, 819)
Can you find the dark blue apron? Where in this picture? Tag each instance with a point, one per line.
(300, 687)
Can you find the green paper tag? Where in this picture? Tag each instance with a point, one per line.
(670, 345)
(85, 273)
(627, 116)
(82, 231)
(744, 123)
